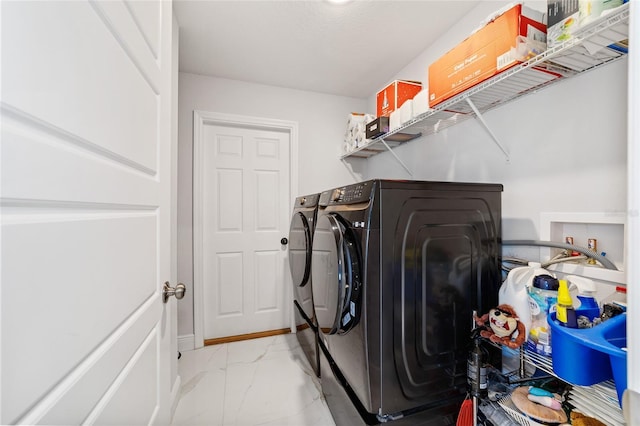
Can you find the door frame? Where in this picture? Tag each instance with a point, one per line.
(201, 119)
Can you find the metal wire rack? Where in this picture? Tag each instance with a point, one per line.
(592, 46)
(599, 401)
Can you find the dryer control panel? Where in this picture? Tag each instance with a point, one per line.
(307, 200)
(350, 194)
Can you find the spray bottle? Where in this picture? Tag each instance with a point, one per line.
(565, 312)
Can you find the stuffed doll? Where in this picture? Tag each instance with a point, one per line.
(504, 326)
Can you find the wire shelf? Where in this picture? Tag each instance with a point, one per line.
(599, 400)
(510, 408)
(592, 46)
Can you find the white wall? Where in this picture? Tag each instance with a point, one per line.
(322, 120)
(567, 143)
(633, 208)
(567, 147)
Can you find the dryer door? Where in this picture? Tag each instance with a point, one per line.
(300, 249)
(336, 273)
(300, 264)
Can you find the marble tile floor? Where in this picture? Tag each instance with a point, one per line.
(266, 381)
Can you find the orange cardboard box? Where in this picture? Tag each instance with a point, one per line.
(485, 53)
(394, 95)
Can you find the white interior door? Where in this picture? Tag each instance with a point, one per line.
(245, 204)
(85, 193)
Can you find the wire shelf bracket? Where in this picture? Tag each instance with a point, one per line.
(396, 157)
(591, 47)
(488, 129)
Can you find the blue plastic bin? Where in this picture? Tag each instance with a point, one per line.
(591, 355)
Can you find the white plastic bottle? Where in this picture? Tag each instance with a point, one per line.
(515, 292)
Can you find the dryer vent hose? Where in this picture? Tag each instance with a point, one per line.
(587, 252)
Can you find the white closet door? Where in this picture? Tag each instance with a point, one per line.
(246, 199)
(86, 120)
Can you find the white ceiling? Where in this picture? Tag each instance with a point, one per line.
(351, 50)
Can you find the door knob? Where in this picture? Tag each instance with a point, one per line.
(168, 291)
(284, 241)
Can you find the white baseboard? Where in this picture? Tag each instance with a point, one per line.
(186, 342)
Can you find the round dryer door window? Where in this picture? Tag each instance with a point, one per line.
(300, 249)
(337, 275)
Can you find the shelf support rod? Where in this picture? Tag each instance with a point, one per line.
(486, 126)
(396, 157)
(350, 170)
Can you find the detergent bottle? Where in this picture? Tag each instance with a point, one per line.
(587, 308)
(543, 297)
(515, 292)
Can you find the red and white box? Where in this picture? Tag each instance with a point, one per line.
(394, 95)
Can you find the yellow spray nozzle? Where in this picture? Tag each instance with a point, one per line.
(564, 297)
